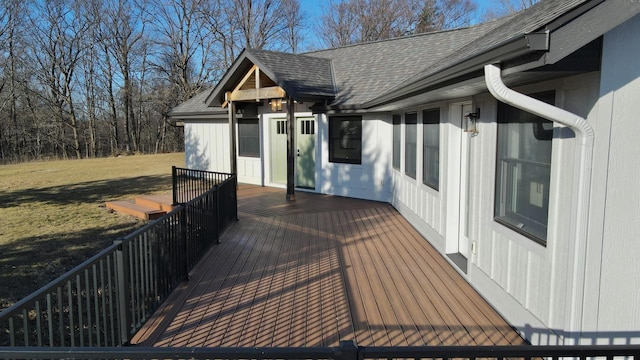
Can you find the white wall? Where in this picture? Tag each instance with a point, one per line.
(207, 145)
(371, 179)
(613, 252)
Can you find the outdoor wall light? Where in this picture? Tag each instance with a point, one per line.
(471, 121)
(276, 104)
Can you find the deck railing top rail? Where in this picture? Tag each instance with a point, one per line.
(346, 351)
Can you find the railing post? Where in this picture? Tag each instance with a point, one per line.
(174, 183)
(348, 350)
(124, 292)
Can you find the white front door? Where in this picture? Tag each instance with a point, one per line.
(306, 153)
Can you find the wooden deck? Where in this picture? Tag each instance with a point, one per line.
(320, 270)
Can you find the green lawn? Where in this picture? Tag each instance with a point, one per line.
(52, 214)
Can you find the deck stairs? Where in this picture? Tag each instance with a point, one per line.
(147, 207)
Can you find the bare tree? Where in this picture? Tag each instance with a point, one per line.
(185, 46)
(124, 29)
(506, 7)
(356, 21)
(256, 24)
(58, 37)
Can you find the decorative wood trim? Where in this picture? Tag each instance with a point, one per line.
(274, 92)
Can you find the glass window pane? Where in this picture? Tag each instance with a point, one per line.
(248, 138)
(410, 149)
(523, 170)
(397, 121)
(431, 148)
(346, 139)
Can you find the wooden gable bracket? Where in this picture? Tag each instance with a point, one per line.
(257, 93)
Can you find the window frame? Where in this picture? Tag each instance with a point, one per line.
(241, 151)
(341, 159)
(427, 125)
(509, 187)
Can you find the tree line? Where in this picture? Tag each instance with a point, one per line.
(92, 78)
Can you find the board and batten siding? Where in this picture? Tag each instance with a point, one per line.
(612, 310)
(207, 145)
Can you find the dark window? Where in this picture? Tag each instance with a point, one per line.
(523, 170)
(397, 122)
(345, 134)
(410, 144)
(248, 138)
(431, 148)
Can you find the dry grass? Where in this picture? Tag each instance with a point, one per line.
(52, 214)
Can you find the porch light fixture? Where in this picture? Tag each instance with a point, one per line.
(276, 104)
(471, 121)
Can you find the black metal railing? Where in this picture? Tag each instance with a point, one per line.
(189, 183)
(105, 300)
(347, 350)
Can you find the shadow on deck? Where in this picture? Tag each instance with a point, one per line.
(318, 271)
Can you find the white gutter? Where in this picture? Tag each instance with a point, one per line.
(585, 135)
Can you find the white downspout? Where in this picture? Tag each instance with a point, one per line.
(585, 135)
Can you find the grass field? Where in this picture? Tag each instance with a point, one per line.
(52, 214)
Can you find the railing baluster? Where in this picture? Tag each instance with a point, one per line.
(25, 326)
(72, 330)
(38, 322)
(87, 297)
(50, 319)
(96, 304)
(60, 315)
(80, 313)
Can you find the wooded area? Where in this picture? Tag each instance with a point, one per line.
(92, 78)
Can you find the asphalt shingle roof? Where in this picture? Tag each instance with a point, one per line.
(365, 71)
(299, 75)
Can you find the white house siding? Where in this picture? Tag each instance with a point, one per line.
(207, 145)
(371, 179)
(528, 283)
(612, 308)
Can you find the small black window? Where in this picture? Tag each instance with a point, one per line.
(248, 138)
(345, 134)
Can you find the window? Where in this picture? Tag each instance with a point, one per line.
(431, 148)
(345, 134)
(410, 144)
(248, 138)
(397, 121)
(523, 170)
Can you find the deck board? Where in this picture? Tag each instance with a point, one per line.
(318, 271)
